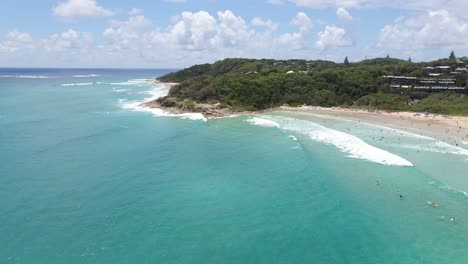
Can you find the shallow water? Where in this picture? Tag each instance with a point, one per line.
(86, 176)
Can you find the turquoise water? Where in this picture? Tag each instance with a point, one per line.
(88, 177)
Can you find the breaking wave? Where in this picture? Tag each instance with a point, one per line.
(86, 75)
(25, 76)
(352, 145)
(155, 93)
(76, 84)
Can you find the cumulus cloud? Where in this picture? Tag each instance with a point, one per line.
(303, 21)
(333, 36)
(70, 41)
(433, 29)
(125, 34)
(194, 31)
(190, 37)
(16, 40)
(80, 8)
(343, 15)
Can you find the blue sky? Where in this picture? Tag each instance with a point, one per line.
(178, 33)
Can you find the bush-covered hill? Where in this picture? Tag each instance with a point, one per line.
(249, 84)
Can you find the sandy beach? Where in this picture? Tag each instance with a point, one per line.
(450, 129)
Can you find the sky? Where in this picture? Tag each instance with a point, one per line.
(180, 33)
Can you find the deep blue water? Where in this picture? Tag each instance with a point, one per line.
(84, 178)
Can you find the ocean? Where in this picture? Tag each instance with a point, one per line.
(89, 176)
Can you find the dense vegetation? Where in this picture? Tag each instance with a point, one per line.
(249, 84)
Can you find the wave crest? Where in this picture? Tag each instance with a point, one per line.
(76, 84)
(352, 145)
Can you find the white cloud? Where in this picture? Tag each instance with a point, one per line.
(434, 29)
(232, 30)
(191, 37)
(125, 34)
(333, 36)
(70, 41)
(343, 15)
(176, 1)
(194, 31)
(303, 21)
(80, 8)
(16, 40)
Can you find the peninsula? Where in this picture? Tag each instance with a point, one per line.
(239, 85)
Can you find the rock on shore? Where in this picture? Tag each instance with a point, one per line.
(179, 106)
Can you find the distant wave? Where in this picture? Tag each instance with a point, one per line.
(76, 84)
(118, 90)
(354, 146)
(25, 76)
(86, 75)
(137, 82)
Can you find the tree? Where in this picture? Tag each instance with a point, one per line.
(452, 55)
(388, 56)
(346, 61)
(409, 60)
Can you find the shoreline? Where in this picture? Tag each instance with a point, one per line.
(449, 129)
(209, 111)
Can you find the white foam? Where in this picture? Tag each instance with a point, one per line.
(76, 84)
(437, 147)
(86, 75)
(118, 90)
(401, 132)
(155, 93)
(354, 146)
(137, 106)
(263, 122)
(292, 137)
(25, 76)
(137, 82)
(451, 149)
